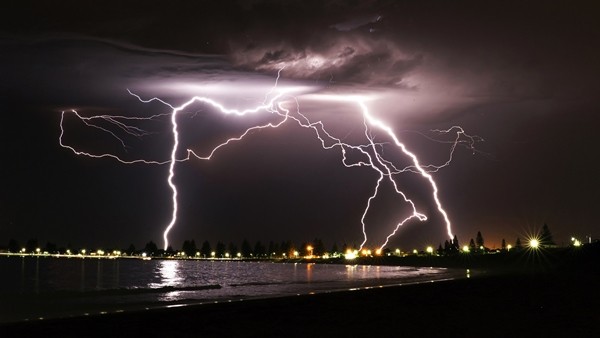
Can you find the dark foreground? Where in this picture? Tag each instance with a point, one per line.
(562, 300)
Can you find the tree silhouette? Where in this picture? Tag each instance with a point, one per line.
(518, 244)
(130, 250)
(259, 249)
(273, 249)
(447, 246)
(286, 247)
(318, 247)
(345, 248)
(546, 236)
(189, 248)
(232, 249)
(455, 246)
(472, 246)
(220, 249)
(479, 241)
(302, 249)
(334, 248)
(31, 245)
(151, 249)
(205, 250)
(246, 248)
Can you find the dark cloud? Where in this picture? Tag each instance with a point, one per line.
(356, 23)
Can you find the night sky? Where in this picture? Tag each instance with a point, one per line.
(521, 75)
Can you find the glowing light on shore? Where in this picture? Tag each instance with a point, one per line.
(309, 250)
(351, 254)
(534, 243)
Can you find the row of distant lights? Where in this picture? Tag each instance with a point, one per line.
(82, 252)
(115, 253)
(213, 254)
(533, 243)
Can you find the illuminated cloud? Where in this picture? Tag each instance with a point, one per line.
(345, 61)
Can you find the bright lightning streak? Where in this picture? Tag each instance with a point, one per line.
(172, 175)
(173, 160)
(376, 122)
(275, 102)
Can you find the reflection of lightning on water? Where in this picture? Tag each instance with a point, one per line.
(279, 102)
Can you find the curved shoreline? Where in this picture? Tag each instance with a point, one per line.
(559, 298)
(496, 305)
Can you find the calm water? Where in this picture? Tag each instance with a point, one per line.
(46, 287)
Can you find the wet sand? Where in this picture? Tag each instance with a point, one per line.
(561, 300)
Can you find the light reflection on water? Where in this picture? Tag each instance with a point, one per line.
(168, 271)
(46, 275)
(90, 282)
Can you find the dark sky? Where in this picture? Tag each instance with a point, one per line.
(521, 75)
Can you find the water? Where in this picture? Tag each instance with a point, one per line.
(47, 287)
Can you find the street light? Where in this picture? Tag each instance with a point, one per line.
(350, 254)
(534, 243)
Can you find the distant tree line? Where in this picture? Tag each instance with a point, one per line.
(477, 245)
(258, 249)
(247, 249)
(189, 248)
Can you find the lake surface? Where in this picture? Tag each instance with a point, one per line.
(32, 287)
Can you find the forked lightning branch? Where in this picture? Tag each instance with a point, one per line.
(280, 103)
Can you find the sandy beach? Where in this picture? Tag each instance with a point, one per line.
(559, 300)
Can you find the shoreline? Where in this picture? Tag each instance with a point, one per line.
(559, 297)
(497, 305)
(68, 304)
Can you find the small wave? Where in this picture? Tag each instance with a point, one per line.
(91, 294)
(163, 289)
(280, 283)
(256, 284)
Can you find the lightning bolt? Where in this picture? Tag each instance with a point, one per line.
(279, 102)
